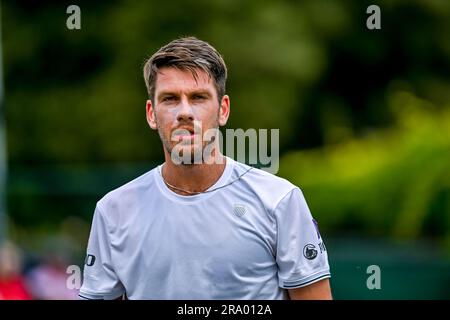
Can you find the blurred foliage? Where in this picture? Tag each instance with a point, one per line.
(79, 96)
(393, 182)
(363, 115)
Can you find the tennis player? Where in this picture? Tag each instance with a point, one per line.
(201, 225)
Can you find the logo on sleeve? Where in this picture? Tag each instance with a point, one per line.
(309, 251)
(90, 260)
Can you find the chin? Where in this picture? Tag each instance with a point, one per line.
(189, 155)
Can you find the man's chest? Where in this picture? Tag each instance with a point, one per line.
(201, 238)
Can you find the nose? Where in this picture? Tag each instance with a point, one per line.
(185, 113)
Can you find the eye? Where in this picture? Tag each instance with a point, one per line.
(199, 97)
(168, 99)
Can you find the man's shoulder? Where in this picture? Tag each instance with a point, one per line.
(128, 192)
(269, 188)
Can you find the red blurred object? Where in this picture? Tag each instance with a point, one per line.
(12, 283)
(13, 289)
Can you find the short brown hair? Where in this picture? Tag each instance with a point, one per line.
(187, 54)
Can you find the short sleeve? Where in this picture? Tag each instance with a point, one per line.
(301, 253)
(100, 280)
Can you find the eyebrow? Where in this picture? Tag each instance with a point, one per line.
(203, 92)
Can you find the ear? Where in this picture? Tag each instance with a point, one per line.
(150, 115)
(224, 111)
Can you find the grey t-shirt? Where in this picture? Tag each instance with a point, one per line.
(252, 238)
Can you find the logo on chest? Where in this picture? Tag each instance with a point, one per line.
(239, 210)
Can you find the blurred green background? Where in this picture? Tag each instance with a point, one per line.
(364, 119)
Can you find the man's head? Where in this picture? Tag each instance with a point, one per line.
(189, 54)
(186, 85)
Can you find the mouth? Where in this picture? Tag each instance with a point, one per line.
(184, 137)
(183, 134)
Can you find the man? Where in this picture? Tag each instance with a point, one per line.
(201, 225)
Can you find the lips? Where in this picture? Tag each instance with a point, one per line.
(191, 130)
(184, 133)
(182, 137)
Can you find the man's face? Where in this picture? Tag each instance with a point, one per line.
(182, 105)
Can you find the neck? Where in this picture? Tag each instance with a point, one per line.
(194, 178)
